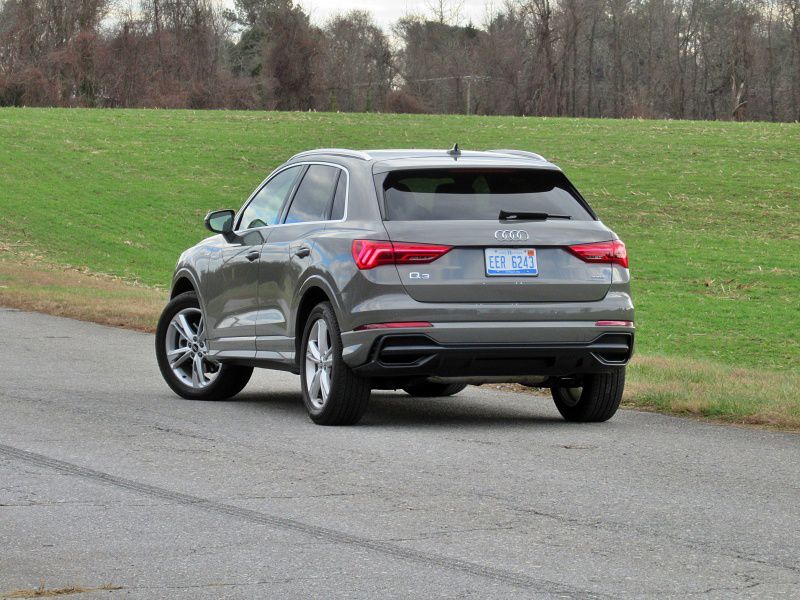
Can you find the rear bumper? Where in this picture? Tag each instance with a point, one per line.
(412, 355)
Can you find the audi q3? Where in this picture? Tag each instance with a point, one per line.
(419, 270)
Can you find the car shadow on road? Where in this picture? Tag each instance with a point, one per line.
(387, 409)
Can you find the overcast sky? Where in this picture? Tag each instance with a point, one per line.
(386, 12)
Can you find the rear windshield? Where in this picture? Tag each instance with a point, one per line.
(478, 194)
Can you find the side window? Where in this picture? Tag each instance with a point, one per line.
(266, 205)
(337, 212)
(313, 197)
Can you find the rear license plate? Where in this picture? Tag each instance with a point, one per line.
(511, 262)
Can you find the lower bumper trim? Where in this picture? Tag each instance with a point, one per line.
(417, 355)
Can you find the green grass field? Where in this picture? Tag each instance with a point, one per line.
(710, 211)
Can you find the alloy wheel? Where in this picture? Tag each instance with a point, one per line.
(319, 364)
(187, 349)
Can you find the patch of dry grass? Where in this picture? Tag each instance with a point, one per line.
(703, 388)
(42, 592)
(708, 390)
(29, 283)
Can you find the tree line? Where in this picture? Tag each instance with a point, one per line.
(693, 59)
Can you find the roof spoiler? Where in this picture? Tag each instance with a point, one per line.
(521, 154)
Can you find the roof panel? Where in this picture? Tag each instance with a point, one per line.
(388, 159)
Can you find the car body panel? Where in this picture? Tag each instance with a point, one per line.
(281, 265)
(231, 291)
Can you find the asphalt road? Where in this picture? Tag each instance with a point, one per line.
(106, 477)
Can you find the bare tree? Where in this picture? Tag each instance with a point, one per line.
(435, 61)
(446, 12)
(791, 14)
(358, 63)
(504, 56)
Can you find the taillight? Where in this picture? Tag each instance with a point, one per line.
(613, 252)
(614, 324)
(369, 254)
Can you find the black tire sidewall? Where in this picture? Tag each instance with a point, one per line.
(600, 397)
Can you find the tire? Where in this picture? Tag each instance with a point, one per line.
(192, 375)
(595, 402)
(321, 367)
(430, 389)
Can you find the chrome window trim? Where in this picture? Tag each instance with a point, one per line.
(281, 169)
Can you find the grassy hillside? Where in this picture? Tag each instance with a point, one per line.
(710, 211)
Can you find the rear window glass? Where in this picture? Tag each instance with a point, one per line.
(477, 194)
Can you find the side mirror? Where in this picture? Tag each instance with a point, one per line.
(220, 221)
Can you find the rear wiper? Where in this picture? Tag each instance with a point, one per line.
(518, 215)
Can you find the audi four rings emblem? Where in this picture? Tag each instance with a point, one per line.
(511, 235)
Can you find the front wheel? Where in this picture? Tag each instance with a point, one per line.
(332, 393)
(182, 354)
(597, 400)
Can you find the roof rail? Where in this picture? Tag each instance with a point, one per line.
(336, 152)
(521, 153)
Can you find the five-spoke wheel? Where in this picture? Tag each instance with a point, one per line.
(319, 363)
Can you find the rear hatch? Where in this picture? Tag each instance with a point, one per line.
(521, 254)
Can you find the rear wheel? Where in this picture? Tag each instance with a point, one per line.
(182, 354)
(431, 389)
(597, 400)
(332, 393)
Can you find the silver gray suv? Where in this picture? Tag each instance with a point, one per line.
(421, 270)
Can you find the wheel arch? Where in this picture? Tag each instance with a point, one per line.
(313, 292)
(183, 281)
(182, 285)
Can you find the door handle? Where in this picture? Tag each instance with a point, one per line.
(302, 251)
(252, 255)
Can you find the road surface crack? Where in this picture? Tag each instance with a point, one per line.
(390, 549)
(625, 527)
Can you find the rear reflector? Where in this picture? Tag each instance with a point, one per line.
(399, 325)
(614, 324)
(369, 254)
(612, 252)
